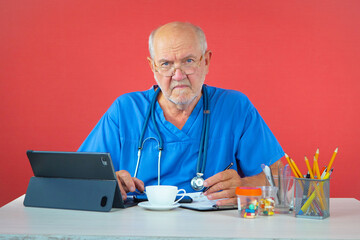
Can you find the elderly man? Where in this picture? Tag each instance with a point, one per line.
(182, 132)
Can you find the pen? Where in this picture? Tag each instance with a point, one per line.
(228, 167)
(267, 171)
(224, 207)
(323, 173)
(268, 174)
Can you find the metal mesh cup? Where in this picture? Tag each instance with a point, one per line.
(312, 198)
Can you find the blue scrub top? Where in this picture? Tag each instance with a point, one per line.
(237, 133)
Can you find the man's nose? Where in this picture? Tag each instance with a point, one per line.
(178, 74)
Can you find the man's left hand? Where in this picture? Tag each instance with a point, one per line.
(222, 185)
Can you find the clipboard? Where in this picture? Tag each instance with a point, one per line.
(73, 180)
(201, 203)
(204, 208)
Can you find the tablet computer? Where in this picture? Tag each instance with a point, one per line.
(81, 165)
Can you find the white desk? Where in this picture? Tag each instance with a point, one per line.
(19, 222)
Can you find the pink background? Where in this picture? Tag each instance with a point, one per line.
(63, 62)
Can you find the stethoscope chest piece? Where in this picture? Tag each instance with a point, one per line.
(197, 183)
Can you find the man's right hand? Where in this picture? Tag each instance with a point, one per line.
(128, 183)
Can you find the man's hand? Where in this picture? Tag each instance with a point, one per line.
(222, 185)
(128, 183)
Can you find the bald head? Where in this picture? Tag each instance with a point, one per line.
(173, 30)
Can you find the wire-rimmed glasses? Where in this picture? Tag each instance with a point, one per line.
(187, 66)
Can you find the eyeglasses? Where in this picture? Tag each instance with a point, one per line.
(188, 66)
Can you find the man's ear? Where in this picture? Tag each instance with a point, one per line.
(207, 57)
(150, 61)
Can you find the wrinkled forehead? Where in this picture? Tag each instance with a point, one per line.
(176, 40)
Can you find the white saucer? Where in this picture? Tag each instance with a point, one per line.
(148, 206)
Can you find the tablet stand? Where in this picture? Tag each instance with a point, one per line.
(71, 193)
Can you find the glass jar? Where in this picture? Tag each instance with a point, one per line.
(267, 201)
(248, 201)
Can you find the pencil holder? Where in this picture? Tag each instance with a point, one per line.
(312, 198)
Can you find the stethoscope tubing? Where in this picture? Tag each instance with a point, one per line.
(204, 134)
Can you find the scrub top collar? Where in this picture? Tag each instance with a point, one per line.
(172, 129)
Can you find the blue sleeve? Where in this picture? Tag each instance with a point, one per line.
(105, 136)
(257, 144)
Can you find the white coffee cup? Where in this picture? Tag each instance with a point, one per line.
(163, 195)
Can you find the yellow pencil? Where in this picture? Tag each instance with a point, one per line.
(317, 171)
(312, 177)
(318, 174)
(332, 160)
(291, 166)
(314, 186)
(299, 175)
(313, 168)
(296, 168)
(316, 156)
(309, 168)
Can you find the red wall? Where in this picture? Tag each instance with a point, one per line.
(62, 63)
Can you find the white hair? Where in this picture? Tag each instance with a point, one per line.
(199, 32)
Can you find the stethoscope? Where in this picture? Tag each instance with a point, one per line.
(197, 182)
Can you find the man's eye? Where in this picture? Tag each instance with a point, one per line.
(189, 60)
(165, 64)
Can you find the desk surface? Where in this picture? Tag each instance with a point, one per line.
(19, 222)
